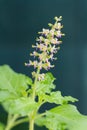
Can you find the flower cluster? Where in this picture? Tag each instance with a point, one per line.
(47, 44)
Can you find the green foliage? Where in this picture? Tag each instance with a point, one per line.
(46, 85)
(12, 82)
(22, 106)
(13, 94)
(65, 117)
(16, 98)
(57, 98)
(44, 90)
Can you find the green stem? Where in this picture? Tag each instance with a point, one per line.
(31, 124)
(10, 122)
(20, 121)
(34, 86)
(33, 113)
(40, 115)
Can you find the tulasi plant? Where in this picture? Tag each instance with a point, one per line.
(22, 96)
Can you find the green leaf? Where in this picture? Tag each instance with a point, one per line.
(53, 97)
(5, 95)
(44, 91)
(13, 94)
(2, 126)
(46, 85)
(21, 106)
(67, 99)
(12, 84)
(57, 98)
(65, 117)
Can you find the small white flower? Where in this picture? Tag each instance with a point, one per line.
(41, 39)
(46, 41)
(59, 26)
(40, 65)
(34, 54)
(45, 31)
(58, 19)
(41, 77)
(35, 64)
(52, 32)
(53, 49)
(54, 41)
(58, 33)
(42, 47)
(49, 65)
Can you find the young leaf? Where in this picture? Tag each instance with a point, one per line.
(44, 91)
(46, 85)
(57, 98)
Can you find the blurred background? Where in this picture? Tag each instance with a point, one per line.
(20, 20)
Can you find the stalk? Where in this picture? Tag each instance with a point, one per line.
(20, 121)
(33, 113)
(34, 86)
(31, 123)
(10, 122)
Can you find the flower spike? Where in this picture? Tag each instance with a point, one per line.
(47, 44)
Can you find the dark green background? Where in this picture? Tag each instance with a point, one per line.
(20, 20)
